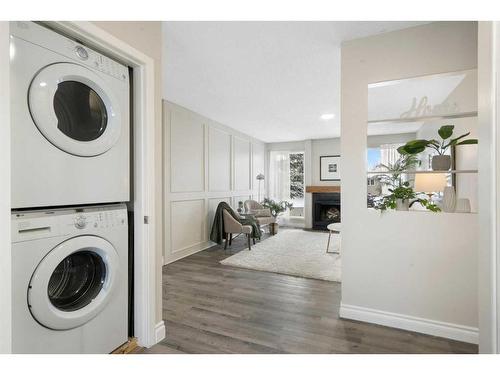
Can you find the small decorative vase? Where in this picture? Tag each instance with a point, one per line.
(402, 205)
(463, 205)
(441, 162)
(449, 199)
(240, 207)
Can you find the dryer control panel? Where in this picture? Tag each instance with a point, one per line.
(97, 61)
(37, 34)
(30, 225)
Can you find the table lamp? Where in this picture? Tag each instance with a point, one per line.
(430, 183)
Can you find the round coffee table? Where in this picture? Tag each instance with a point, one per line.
(333, 228)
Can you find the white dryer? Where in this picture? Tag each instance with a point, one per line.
(70, 121)
(69, 277)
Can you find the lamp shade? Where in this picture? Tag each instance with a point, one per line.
(260, 176)
(430, 182)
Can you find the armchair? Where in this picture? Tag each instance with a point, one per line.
(233, 226)
(261, 214)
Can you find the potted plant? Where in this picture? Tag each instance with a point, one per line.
(276, 208)
(401, 196)
(441, 161)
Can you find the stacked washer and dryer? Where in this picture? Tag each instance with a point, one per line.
(70, 179)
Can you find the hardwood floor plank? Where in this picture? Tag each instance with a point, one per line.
(211, 308)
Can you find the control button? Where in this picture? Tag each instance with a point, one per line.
(81, 52)
(80, 222)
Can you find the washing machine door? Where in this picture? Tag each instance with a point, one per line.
(74, 109)
(73, 282)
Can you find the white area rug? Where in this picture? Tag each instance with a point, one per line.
(292, 252)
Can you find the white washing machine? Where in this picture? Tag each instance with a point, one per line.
(69, 277)
(70, 121)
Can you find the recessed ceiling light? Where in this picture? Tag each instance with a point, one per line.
(327, 116)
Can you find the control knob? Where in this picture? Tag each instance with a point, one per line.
(81, 52)
(80, 222)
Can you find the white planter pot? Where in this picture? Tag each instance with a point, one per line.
(402, 205)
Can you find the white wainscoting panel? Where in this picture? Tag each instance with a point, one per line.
(205, 163)
(219, 160)
(241, 164)
(188, 224)
(187, 155)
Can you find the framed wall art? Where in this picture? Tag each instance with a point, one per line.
(329, 168)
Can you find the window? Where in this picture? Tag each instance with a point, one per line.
(287, 179)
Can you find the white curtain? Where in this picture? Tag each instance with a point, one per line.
(279, 175)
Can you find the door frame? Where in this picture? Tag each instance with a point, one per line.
(489, 187)
(146, 329)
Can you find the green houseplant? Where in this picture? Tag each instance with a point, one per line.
(402, 196)
(440, 162)
(276, 209)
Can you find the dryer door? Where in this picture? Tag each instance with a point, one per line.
(74, 109)
(73, 282)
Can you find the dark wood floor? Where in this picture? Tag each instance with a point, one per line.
(210, 308)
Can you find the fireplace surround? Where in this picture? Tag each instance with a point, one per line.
(326, 210)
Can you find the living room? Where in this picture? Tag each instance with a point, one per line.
(294, 143)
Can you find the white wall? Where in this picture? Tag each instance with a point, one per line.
(5, 245)
(413, 270)
(324, 147)
(205, 163)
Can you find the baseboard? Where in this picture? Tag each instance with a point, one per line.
(187, 252)
(410, 323)
(159, 331)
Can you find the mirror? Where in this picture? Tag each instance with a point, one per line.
(412, 124)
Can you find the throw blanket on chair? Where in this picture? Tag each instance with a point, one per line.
(217, 233)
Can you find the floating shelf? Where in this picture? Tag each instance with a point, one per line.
(423, 172)
(423, 118)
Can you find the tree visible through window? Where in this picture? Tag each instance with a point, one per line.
(296, 175)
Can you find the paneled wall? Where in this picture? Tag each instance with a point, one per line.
(205, 163)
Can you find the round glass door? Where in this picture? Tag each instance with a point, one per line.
(73, 282)
(77, 280)
(74, 109)
(81, 113)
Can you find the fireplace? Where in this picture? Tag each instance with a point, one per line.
(326, 209)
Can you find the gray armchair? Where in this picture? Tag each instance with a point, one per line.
(261, 214)
(233, 226)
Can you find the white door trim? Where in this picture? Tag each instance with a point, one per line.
(145, 325)
(489, 187)
(5, 244)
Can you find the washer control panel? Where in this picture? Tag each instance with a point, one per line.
(30, 225)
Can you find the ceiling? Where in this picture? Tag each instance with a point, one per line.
(270, 80)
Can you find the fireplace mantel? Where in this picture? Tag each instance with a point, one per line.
(322, 189)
